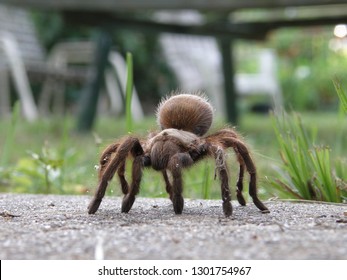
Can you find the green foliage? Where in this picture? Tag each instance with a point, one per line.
(307, 171)
(306, 67)
(45, 172)
(40, 172)
(40, 167)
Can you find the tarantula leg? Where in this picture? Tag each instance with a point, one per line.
(129, 198)
(175, 165)
(198, 153)
(106, 156)
(167, 184)
(253, 194)
(239, 185)
(242, 150)
(223, 175)
(129, 144)
(100, 193)
(122, 180)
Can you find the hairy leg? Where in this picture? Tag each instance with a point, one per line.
(223, 175)
(243, 151)
(129, 198)
(175, 165)
(168, 185)
(228, 138)
(239, 184)
(123, 182)
(129, 144)
(106, 157)
(199, 152)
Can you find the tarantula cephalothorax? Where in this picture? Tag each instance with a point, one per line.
(184, 119)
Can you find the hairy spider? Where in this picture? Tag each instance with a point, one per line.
(184, 119)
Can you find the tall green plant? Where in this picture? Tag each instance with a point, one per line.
(307, 171)
(129, 92)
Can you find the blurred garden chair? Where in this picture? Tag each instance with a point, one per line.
(65, 54)
(22, 58)
(12, 58)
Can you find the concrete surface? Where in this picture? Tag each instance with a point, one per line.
(58, 227)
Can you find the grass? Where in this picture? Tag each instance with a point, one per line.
(308, 171)
(76, 155)
(341, 94)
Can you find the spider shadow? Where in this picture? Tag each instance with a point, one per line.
(147, 212)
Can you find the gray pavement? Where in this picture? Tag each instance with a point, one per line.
(58, 227)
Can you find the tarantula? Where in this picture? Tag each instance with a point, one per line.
(184, 119)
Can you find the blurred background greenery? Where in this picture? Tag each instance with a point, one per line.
(48, 156)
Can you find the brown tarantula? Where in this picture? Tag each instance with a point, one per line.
(184, 119)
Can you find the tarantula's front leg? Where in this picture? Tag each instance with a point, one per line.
(129, 198)
(175, 165)
(130, 144)
(105, 159)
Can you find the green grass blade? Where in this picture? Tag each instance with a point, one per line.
(341, 94)
(324, 180)
(206, 183)
(129, 92)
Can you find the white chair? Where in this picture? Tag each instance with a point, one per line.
(22, 55)
(11, 50)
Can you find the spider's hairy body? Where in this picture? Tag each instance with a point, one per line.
(184, 119)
